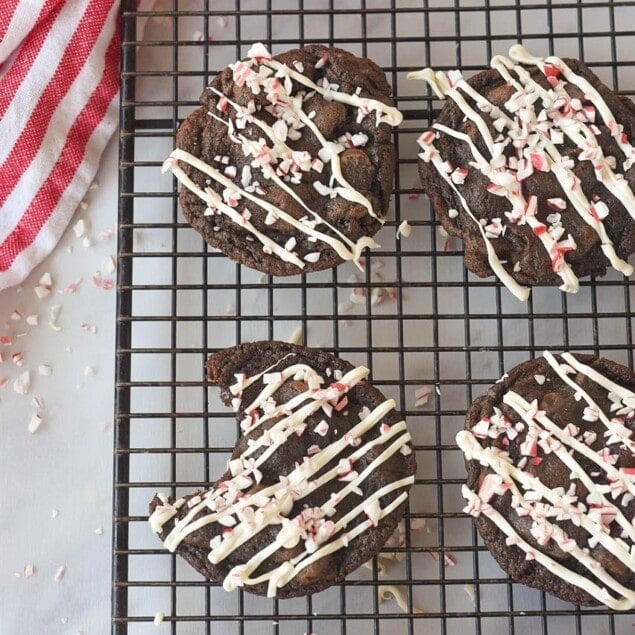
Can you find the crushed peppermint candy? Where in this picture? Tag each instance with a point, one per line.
(80, 228)
(28, 570)
(404, 229)
(22, 384)
(45, 286)
(34, 423)
(296, 336)
(422, 396)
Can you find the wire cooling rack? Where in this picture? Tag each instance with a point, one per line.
(438, 326)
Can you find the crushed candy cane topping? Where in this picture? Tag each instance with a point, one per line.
(596, 501)
(534, 122)
(274, 161)
(241, 512)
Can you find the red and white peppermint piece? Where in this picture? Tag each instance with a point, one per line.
(44, 286)
(322, 428)
(557, 204)
(422, 396)
(458, 176)
(17, 359)
(540, 161)
(320, 63)
(426, 138)
(373, 512)
(599, 210)
(492, 484)
(34, 423)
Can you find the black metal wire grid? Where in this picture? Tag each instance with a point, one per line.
(444, 328)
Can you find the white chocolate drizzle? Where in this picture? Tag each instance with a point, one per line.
(597, 511)
(535, 134)
(245, 514)
(278, 162)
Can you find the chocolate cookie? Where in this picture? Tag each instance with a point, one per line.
(317, 481)
(531, 164)
(550, 458)
(288, 165)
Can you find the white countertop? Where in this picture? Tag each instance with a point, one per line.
(67, 464)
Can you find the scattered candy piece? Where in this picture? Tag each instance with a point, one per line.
(54, 513)
(90, 371)
(29, 570)
(79, 228)
(72, 287)
(99, 531)
(60, 573)
(45, 286)
(44, 369)
(296, 336)
(422, 396)
(109, 265)
(158, 618)
(404, 229)
(35, 423)
(32, 320)
(22, 384)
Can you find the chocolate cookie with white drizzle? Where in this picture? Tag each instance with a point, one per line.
(531, 163)
(317, 481)
(288, 165)
(550, 456)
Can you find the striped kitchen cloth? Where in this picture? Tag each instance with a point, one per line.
(59, 91)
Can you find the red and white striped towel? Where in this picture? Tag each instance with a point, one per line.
(59, 82)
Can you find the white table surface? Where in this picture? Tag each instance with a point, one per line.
(67, 464)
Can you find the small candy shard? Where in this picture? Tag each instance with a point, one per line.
(35, 423)
(22, 384)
